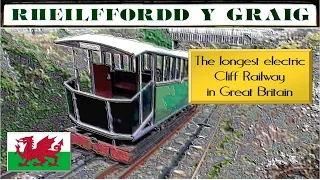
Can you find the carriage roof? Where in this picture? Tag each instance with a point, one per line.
(125, 45)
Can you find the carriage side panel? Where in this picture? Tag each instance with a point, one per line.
(170, 99)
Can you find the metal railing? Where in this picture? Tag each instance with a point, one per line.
(66, 84)
(106, 115)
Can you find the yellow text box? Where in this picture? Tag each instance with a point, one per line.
(250, 76)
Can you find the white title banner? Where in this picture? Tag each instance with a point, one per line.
(160, 15)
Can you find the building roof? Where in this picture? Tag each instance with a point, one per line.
(129, 46)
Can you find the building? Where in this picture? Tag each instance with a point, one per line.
(220, 36)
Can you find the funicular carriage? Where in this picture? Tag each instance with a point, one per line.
(135, 87)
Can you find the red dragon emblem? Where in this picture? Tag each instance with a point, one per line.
(40, 152)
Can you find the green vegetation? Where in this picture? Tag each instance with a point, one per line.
(215, 170)
(32, 87)
(311, 41)
(226, 125)
(229, 135)
(157, 37)
(291, 45)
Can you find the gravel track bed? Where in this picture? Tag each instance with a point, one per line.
(189, 162)
(163, 157)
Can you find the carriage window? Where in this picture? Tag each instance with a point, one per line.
(182, 68)
(96, 57)
(185, 69)
(178, 68)
(117, 61)
(134, 64)
(146, 62)
(108, 58)
(173, 68)
(125, 62)
(166, 69)
(159, 68)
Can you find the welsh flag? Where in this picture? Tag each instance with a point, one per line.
(38, 151)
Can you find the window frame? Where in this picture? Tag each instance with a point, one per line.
(159, 63)
(110, 60)
(179, 74)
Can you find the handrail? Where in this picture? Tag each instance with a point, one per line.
(102, 131)
(103, 98)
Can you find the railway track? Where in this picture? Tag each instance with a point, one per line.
(176, 157)
(126, 172)
(196, 172)
(111, 171)
(9, 175)
(181, 165)
(83, 161)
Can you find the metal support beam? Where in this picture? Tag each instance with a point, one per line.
(75, 107)
(113, 66)
(89, 57)
(181, 69)
(144, 124)
(140, 89)
(109, 115)
(170, 68)
(153, 78)
(76, 71)
(163, 67)
(121, 62)
(102, 57)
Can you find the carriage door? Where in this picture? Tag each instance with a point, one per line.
(101, 76)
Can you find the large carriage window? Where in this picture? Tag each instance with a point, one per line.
(159, 73)
(185, 69)
(178, 68)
